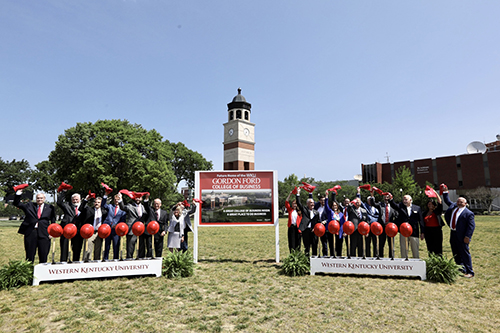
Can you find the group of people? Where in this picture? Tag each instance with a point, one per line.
(425, 225)
(39, 215)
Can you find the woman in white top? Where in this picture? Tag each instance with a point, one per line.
(179, 220)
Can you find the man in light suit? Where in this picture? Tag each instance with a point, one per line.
(38, 216)
(115, 216)
(71, 215)
(461, 222)
(154, 213)
(94, 216)
(412, 214)
(135, 212)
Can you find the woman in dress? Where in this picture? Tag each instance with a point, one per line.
(178, 222)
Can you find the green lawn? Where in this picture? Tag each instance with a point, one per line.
(237, 287)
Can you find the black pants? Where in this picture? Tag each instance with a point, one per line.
(327, 242)
(131, 240)
(310, 240)
(145, 243)
(434, 240)
(159, 244)
(34, 241)
(293, 238)
(338, 245)
(64, 246)
(76, 246)
(356, 244)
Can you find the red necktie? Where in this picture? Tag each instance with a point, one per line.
(116, 210)
(76, 211)
(454, 220)
(39, 212)
(386, 214)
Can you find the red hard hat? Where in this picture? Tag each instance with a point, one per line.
(405, 229)
(363, 228)
(86, 231)
(348, 227)
(391, 229)
(121, 229)
(376, 228)
(138, 228)
(319, 229)
(69, 231)
(55, 230)
(104, 231)
(153, 227)
(334, 227)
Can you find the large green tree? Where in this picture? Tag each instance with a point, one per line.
(45, 177)
(185, 162)
(116, 152)
(13, 173)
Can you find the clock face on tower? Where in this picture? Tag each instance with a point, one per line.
(231, 132)
(246, 131)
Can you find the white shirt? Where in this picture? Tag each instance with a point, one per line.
(459, 211)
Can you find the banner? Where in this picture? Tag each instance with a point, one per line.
(236, 197)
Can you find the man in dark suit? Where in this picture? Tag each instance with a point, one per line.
(94, 216)
(412, 214)
(154, 213)
(310, 217)
(387, 214)
(71, 215)
(38, 216)
(115, 215)
(461, 222)
(356, 215)
(135, 212)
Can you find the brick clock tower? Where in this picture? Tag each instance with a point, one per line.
(239, 138)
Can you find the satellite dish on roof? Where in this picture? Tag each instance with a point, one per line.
(476, 147)
(498, 137)
(358, 177)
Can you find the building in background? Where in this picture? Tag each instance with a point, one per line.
(239, 136)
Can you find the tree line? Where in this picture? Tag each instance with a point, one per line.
(116, 152)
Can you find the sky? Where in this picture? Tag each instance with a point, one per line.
(333, 84)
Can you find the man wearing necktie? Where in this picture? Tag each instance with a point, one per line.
(462, 224)
(95, 217)
(154, 213)
(135, 212)
(38, 216)
(412, 214)
(115, 215)
(71, 215)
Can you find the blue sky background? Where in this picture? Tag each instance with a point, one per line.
(333, 84)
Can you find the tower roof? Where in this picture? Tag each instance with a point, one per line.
(239, 101)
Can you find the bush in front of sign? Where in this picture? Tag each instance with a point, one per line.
(177, 264)
(15, 274)
(440, 269)
(296, 264)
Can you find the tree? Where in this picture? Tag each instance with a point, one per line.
(285, 187)
(185, 162)
(116, 152)
(484, 196)
(404, 180)
(45, 177)
(13, 173)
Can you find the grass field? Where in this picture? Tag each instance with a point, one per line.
(237, 287)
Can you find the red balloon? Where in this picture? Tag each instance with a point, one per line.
(363, 228)
(391, 229)
(334, 227)
(121, 229)
(104, 231)
(69, 231)
(138, 228)
(348, 227)
(153, 227)
(86, 231)
(405, 229)
(55, 230)
(376, 228)
(319, 229)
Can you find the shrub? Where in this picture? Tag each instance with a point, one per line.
(177, 264)
(441, 269)
(15, 274)
(296, 264)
